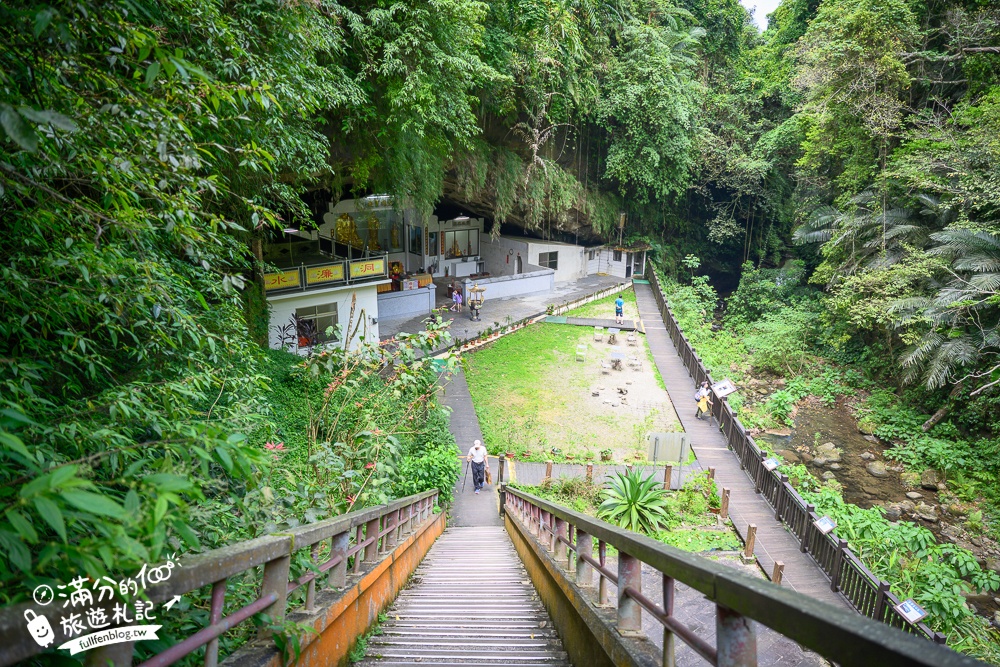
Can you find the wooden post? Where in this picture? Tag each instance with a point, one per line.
(590, 472)
(751, 538)
(275, 581)
(557, 539)
(338, 573)
(603, 588)
(584, 570)
(711, 472)
(668, 476)
(735, 639)
(371, 533)
(548, 470)
(804, 544)
(724, 509)
(669, 640)
(879, 611)
(838, 559)
(779, 569)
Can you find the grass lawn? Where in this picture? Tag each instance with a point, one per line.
(605, 308)
(532, 395)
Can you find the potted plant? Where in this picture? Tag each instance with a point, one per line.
(606, 454)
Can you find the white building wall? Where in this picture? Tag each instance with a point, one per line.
(283, 306)
(571, 264)
(500, 255)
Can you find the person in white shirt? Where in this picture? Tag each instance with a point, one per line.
(480, 464)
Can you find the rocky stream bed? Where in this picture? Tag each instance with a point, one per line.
(826, 439)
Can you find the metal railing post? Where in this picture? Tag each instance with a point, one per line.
(629, 611)
(214, 616)
(735, 639)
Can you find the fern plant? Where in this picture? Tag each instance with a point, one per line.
(635, 501)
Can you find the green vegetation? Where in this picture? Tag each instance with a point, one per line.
(902, 553)
(605, 308)
(634, 501)
(683, 518)
(534, 399)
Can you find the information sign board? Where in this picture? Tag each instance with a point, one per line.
(723, 388)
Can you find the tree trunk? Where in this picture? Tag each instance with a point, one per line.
(943, 412)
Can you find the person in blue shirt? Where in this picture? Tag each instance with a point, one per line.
(619, 310)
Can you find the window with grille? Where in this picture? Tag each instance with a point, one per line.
(548, 260)
(315, 321)
(618, 255)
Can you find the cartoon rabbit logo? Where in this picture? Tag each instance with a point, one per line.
(39, 628)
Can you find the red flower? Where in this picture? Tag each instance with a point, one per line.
(369, 465)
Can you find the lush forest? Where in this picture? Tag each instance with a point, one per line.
(836, 173)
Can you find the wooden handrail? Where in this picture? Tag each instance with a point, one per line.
(743, 445)
(837, 634)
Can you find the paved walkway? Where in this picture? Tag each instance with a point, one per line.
(610, 323)
(469, 509)
(498, 312)
(774, 542)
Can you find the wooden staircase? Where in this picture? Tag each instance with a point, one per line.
(470, 602)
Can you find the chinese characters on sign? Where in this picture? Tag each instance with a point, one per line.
(723, 389)
(324, 274)
(368, 267)
(99, 612)
(283, 280)
(911, 611)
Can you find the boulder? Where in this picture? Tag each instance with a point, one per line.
(876, 469)
(893, 512)
(788, 455)
(913, 495)
(819, 462)
(828, 475)
(927, 512)
(866, 426)
(993, 564)
(829, 451)
(907, 506)
(951, 533)
(834, 466)
(929, 479)
(910, 479)
(867, 456)
(806, 457)
(996, 619)
(871, 438)
(958, 509)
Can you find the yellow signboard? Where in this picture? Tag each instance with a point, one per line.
(368, 267)
(283, 280)
(324, 274)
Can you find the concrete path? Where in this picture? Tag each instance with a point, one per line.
(470, 603)
(469, 508)
(499, 311)
(774, 542)
(609, 323)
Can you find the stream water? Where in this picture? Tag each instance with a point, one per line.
(816, 424)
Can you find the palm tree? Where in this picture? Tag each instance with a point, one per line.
(867, 236)
(964, 339)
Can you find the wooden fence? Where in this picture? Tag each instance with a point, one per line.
(848, 575)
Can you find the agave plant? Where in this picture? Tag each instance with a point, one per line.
(635, 501)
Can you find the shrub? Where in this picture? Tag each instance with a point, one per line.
(634, 501)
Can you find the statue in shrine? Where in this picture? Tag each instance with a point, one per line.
(394, 237)
(455, 250)
(347, 231)
(373, 225)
